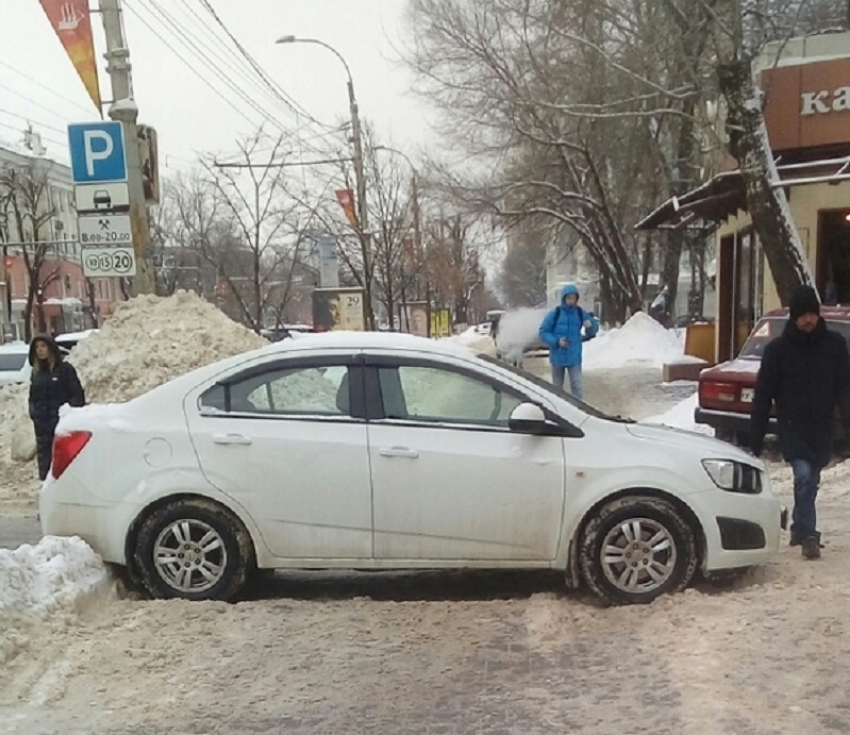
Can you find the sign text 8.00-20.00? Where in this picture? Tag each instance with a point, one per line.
(105, 229)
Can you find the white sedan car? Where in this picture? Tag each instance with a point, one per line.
(377, 451)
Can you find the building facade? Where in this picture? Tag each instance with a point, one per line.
(38, 224)
(806, 83)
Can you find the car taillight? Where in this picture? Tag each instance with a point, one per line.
(66, 447)
(720, 392)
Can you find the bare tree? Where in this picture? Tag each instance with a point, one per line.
(592, 112)
(24, 196)
(388, 274)
(522, 274)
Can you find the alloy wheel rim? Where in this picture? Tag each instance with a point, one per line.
(189, 555)
(638, 555)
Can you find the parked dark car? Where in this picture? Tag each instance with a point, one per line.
(726, 390)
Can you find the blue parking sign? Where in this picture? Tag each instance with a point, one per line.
(97, 152)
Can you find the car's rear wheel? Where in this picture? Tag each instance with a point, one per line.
(637, 548)
(194, 550)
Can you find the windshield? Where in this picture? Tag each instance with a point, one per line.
(549, 388)
(769, 329)
(765, 332)
(11, 363)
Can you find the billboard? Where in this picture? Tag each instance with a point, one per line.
(339, 309)
(417, 318)
(441, 323)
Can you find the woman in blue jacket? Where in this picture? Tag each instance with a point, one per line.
(562, 331)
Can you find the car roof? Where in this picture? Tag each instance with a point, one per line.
(366, 341)
(840, 313)
(16, 348)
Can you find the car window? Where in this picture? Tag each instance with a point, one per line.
(315, 391)
(12, 362)
(440, 395)
(764, 333)
(769, 329)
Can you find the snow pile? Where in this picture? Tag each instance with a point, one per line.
(518, 329)
(147, 342)
(15, 432)
(681, 416)
(474, 341)
(44, 580)
(640, 340)
(150, 340)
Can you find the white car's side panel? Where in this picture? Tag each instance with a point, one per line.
(465, 493)
(310, 488)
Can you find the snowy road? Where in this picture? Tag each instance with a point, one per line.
(459, 653)
(456, 653)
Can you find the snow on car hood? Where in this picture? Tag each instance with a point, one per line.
(705, 446)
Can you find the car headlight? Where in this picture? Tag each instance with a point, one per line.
(734, 477)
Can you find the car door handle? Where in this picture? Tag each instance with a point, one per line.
(231, 439)
(398, 452)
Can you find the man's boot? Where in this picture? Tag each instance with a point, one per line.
(811, 548)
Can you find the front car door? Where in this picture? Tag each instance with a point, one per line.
(450, 481)
(287, 440)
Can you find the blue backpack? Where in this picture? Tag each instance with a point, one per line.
(585, 316)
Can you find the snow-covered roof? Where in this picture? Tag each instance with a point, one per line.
(366, 341)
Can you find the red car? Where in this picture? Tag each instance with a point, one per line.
(726, 390)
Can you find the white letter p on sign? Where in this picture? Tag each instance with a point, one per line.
(92, 155)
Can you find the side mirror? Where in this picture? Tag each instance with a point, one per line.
(529, 418)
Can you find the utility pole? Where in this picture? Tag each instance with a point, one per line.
(362, 205)
(125, 110)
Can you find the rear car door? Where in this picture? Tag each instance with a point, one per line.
(287, 440)
(451, 482)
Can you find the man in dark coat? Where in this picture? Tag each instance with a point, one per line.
(806, 372)
(53, 384)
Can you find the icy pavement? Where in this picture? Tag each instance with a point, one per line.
(457, 653)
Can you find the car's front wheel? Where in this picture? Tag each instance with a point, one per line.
(637, 548)
(194, 550)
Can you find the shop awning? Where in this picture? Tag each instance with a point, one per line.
(724, 195)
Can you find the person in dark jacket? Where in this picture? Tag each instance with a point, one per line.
(806, 373)
(564, 329)
(54, 383)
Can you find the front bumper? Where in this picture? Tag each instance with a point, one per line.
(743, 530)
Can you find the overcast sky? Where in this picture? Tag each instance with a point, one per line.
(194, 111)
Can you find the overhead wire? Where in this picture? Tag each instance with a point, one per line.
(30, 119)
(279, 92)
(41, 106)
(43, 86)
(178, 30)
(200, 75)
(63, 145)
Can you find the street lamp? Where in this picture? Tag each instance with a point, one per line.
(359, 172)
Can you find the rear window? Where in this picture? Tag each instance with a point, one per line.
(768, 329)
(11, 363)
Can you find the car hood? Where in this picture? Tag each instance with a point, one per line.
(699, 444)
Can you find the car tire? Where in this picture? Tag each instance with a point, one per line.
(638, 571)
(193, 550)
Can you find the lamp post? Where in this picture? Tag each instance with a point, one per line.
(359, 171)
(417, 220)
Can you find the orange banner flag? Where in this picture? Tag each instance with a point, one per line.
(345, 197)
(71, 20)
